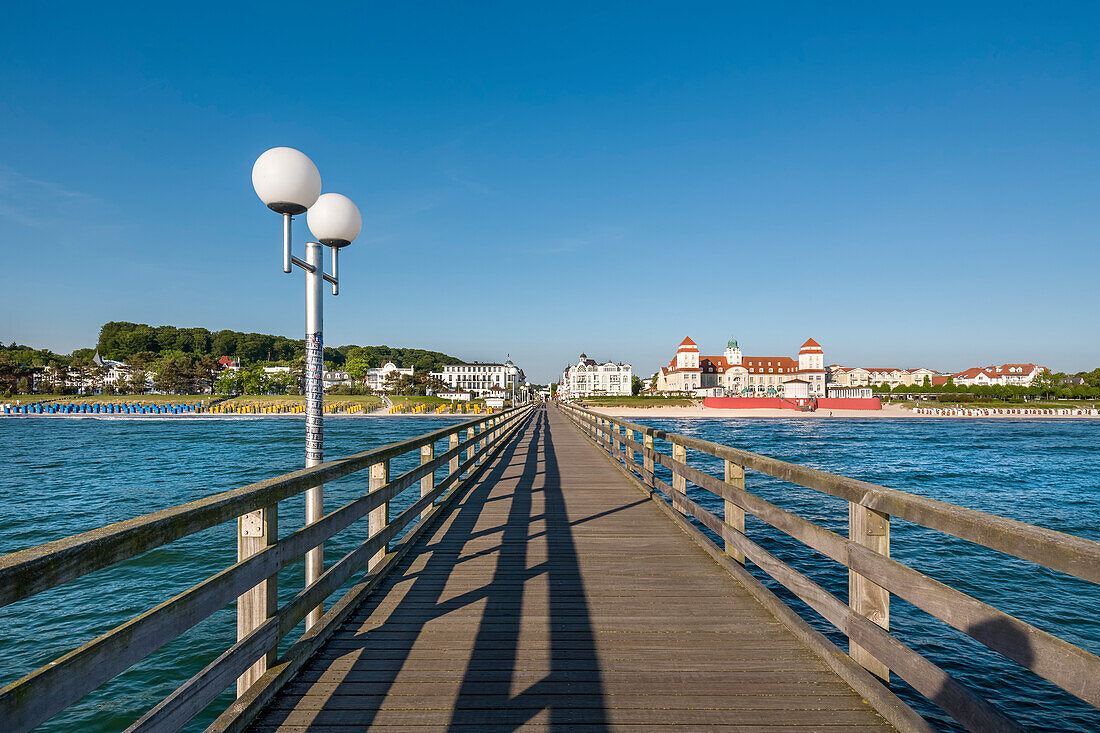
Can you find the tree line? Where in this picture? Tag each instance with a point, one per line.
(185, 360)
(122, 340)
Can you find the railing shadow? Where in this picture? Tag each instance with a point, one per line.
(573, 658)
(485, 696)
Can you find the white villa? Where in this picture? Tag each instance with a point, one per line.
(587, 377)
(380, 379)
(116, 375)
(735, 374)
(480, 378)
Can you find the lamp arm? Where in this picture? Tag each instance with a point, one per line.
(334, 278)
(303, 264)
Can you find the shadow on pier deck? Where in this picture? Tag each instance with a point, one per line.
(557, 594)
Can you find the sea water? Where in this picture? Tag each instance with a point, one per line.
(1043, 472)
(64, 476)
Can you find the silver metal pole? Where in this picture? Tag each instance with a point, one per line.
(315, 435)
(286, 242)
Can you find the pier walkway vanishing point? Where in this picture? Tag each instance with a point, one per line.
(548, 575)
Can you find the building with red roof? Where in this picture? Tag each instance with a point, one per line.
(843, 376)
(736, 374)
(1021, 375)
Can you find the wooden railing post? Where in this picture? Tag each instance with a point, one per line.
(427, 483)
(871, 529)
(256, 531)
(647, 458)
(455, 439)
(616, 446)
(470, 451)
(734, 516)
(380, 517)
(679, 483)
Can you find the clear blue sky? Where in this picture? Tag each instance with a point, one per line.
(910, 185)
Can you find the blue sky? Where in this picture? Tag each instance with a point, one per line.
(909, 185)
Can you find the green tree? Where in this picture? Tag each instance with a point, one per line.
(636, 385)
(357, 366)
(227, 383)
(173, 375)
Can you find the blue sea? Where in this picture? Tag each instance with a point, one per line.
(1043, 472)
(66, 476)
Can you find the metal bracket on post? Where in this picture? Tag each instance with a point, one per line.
(252, 524)
(878, 525)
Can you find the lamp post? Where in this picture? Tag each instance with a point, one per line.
(287, 181)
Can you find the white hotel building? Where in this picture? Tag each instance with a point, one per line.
(733, 374)
(481, 378)
(587, 378)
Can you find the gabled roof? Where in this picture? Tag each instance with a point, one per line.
(687, 345)
(810, 345)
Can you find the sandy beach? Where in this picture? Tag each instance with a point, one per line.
(888, 411)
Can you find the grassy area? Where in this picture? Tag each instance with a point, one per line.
(638, 402)
(106, 399)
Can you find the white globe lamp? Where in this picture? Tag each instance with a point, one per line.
(286, 180)
(334, 220)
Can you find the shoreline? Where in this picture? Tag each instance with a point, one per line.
(230, 416)
(887, 412)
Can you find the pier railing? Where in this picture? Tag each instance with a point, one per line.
(251, 582)
(872, 575)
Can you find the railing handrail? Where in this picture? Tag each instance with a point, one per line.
(51, 688)
(1066, 553)
(30, 571)
(865, 619)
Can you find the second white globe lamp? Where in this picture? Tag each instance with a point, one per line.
(334, 220)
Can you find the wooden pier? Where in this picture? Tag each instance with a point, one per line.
(557, 594)
(547, 575)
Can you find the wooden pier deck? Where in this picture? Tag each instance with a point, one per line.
(556, 594)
